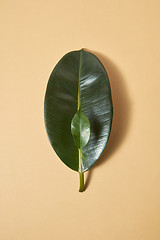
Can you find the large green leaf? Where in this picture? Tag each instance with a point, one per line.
(78, 83)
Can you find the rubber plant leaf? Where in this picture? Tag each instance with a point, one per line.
(78, 110)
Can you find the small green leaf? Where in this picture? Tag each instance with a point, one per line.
(80, 129)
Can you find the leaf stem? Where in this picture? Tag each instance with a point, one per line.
(81, 175)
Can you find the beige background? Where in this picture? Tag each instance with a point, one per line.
(39, 196)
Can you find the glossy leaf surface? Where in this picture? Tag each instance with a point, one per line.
(80, 129)
(78, 82)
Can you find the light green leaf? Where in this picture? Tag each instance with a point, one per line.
(80, 129)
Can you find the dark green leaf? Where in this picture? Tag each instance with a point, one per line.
(80, 129)
(78, 82)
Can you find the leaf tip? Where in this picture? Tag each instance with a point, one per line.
(82, 49)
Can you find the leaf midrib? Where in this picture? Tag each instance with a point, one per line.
(78, 108)
(79, 73)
